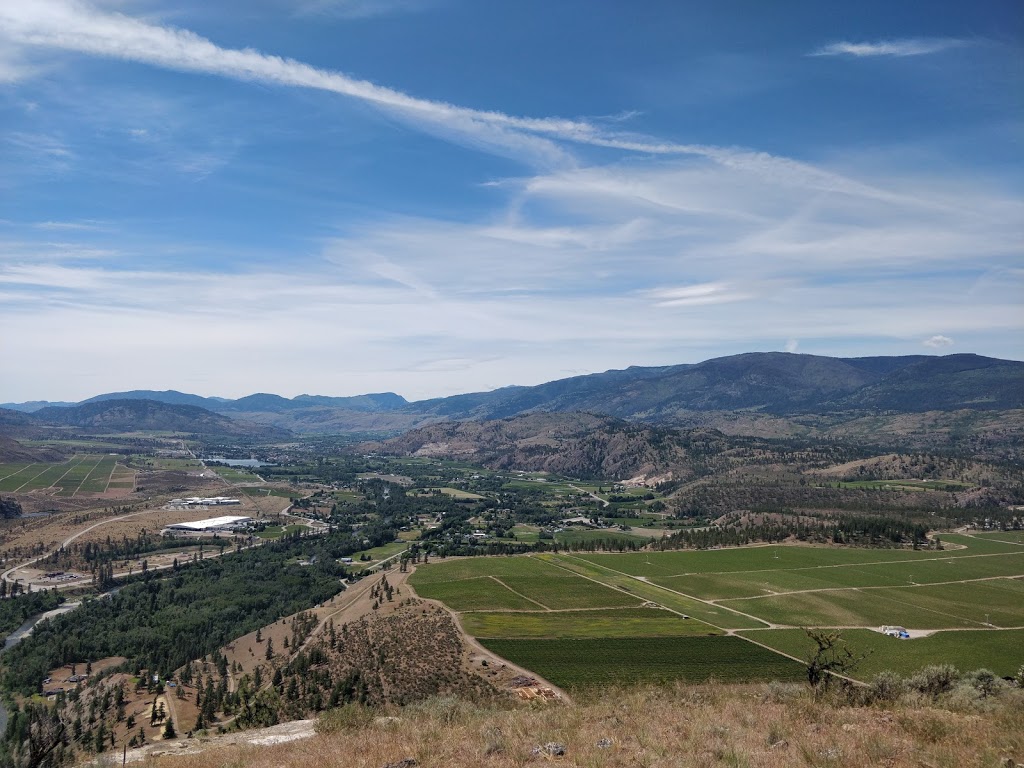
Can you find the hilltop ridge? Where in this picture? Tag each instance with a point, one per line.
(777, 390)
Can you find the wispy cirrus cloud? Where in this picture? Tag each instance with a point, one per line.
(358, 9)
(699, 295)
(916, 46)
(72, 25)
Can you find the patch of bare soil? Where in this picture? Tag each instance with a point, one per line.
(258, 737)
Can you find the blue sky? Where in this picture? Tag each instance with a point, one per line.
(441, 196)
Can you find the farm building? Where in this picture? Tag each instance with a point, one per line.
(226, 524)
(197, 501)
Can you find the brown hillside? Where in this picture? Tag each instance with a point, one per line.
(11, 451)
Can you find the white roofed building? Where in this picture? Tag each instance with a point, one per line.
(225, 524)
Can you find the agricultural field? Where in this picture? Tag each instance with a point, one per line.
(236, 475)
(83, 474)
(514, 583)
(572, 536)
(544, 611)
(608, 623)
(377, 554)
(976, 585)
(596, 662)
(1001, 651)
(1015, 537)
(455, 493)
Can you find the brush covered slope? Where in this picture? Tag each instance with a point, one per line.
(709, 473)
(573, 444)
(762, 726)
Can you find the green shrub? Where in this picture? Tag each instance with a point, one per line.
(934, 680)
(886, 687)
(348, 717)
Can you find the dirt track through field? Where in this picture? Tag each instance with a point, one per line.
(530, 599)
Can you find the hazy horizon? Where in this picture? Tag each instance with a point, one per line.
(436, 197)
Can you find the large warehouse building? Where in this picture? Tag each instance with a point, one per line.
(226, 524)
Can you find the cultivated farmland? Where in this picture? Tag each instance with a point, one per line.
(587, 662)
(545, 610)
(81, 475)
(1002, 651)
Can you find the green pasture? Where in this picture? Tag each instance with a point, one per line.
(13, 476)
(1014, 537)
(527, 533)
(973, 584)
(616, 622)
(717, 586)
(454, 493)
(83, 473)
(236, 475)
(277, 531)
(594, 662)
(1001, 651)
(574, 536)
(568, 592)
(180, 465)
(98, 479)
(783, 557)
(473, 567)
(522, 583)
(954, 606)
(376, 554)
(481, 593)
(715, 615)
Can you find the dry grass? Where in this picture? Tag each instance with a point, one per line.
(756, 726)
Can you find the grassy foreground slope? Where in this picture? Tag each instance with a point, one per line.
(757, 726)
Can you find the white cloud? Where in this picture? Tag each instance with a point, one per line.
(898, 47)
(938, 342)
(76, 26)
(698, 295)
(358, 9)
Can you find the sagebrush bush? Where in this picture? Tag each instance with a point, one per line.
(885, 688)
(934, 680)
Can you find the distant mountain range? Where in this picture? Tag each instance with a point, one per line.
(772, 387)
(257, 402)
(106, 416)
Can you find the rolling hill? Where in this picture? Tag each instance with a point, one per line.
(149, 416)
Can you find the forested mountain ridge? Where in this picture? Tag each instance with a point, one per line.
(763, 386)
(149, 415)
